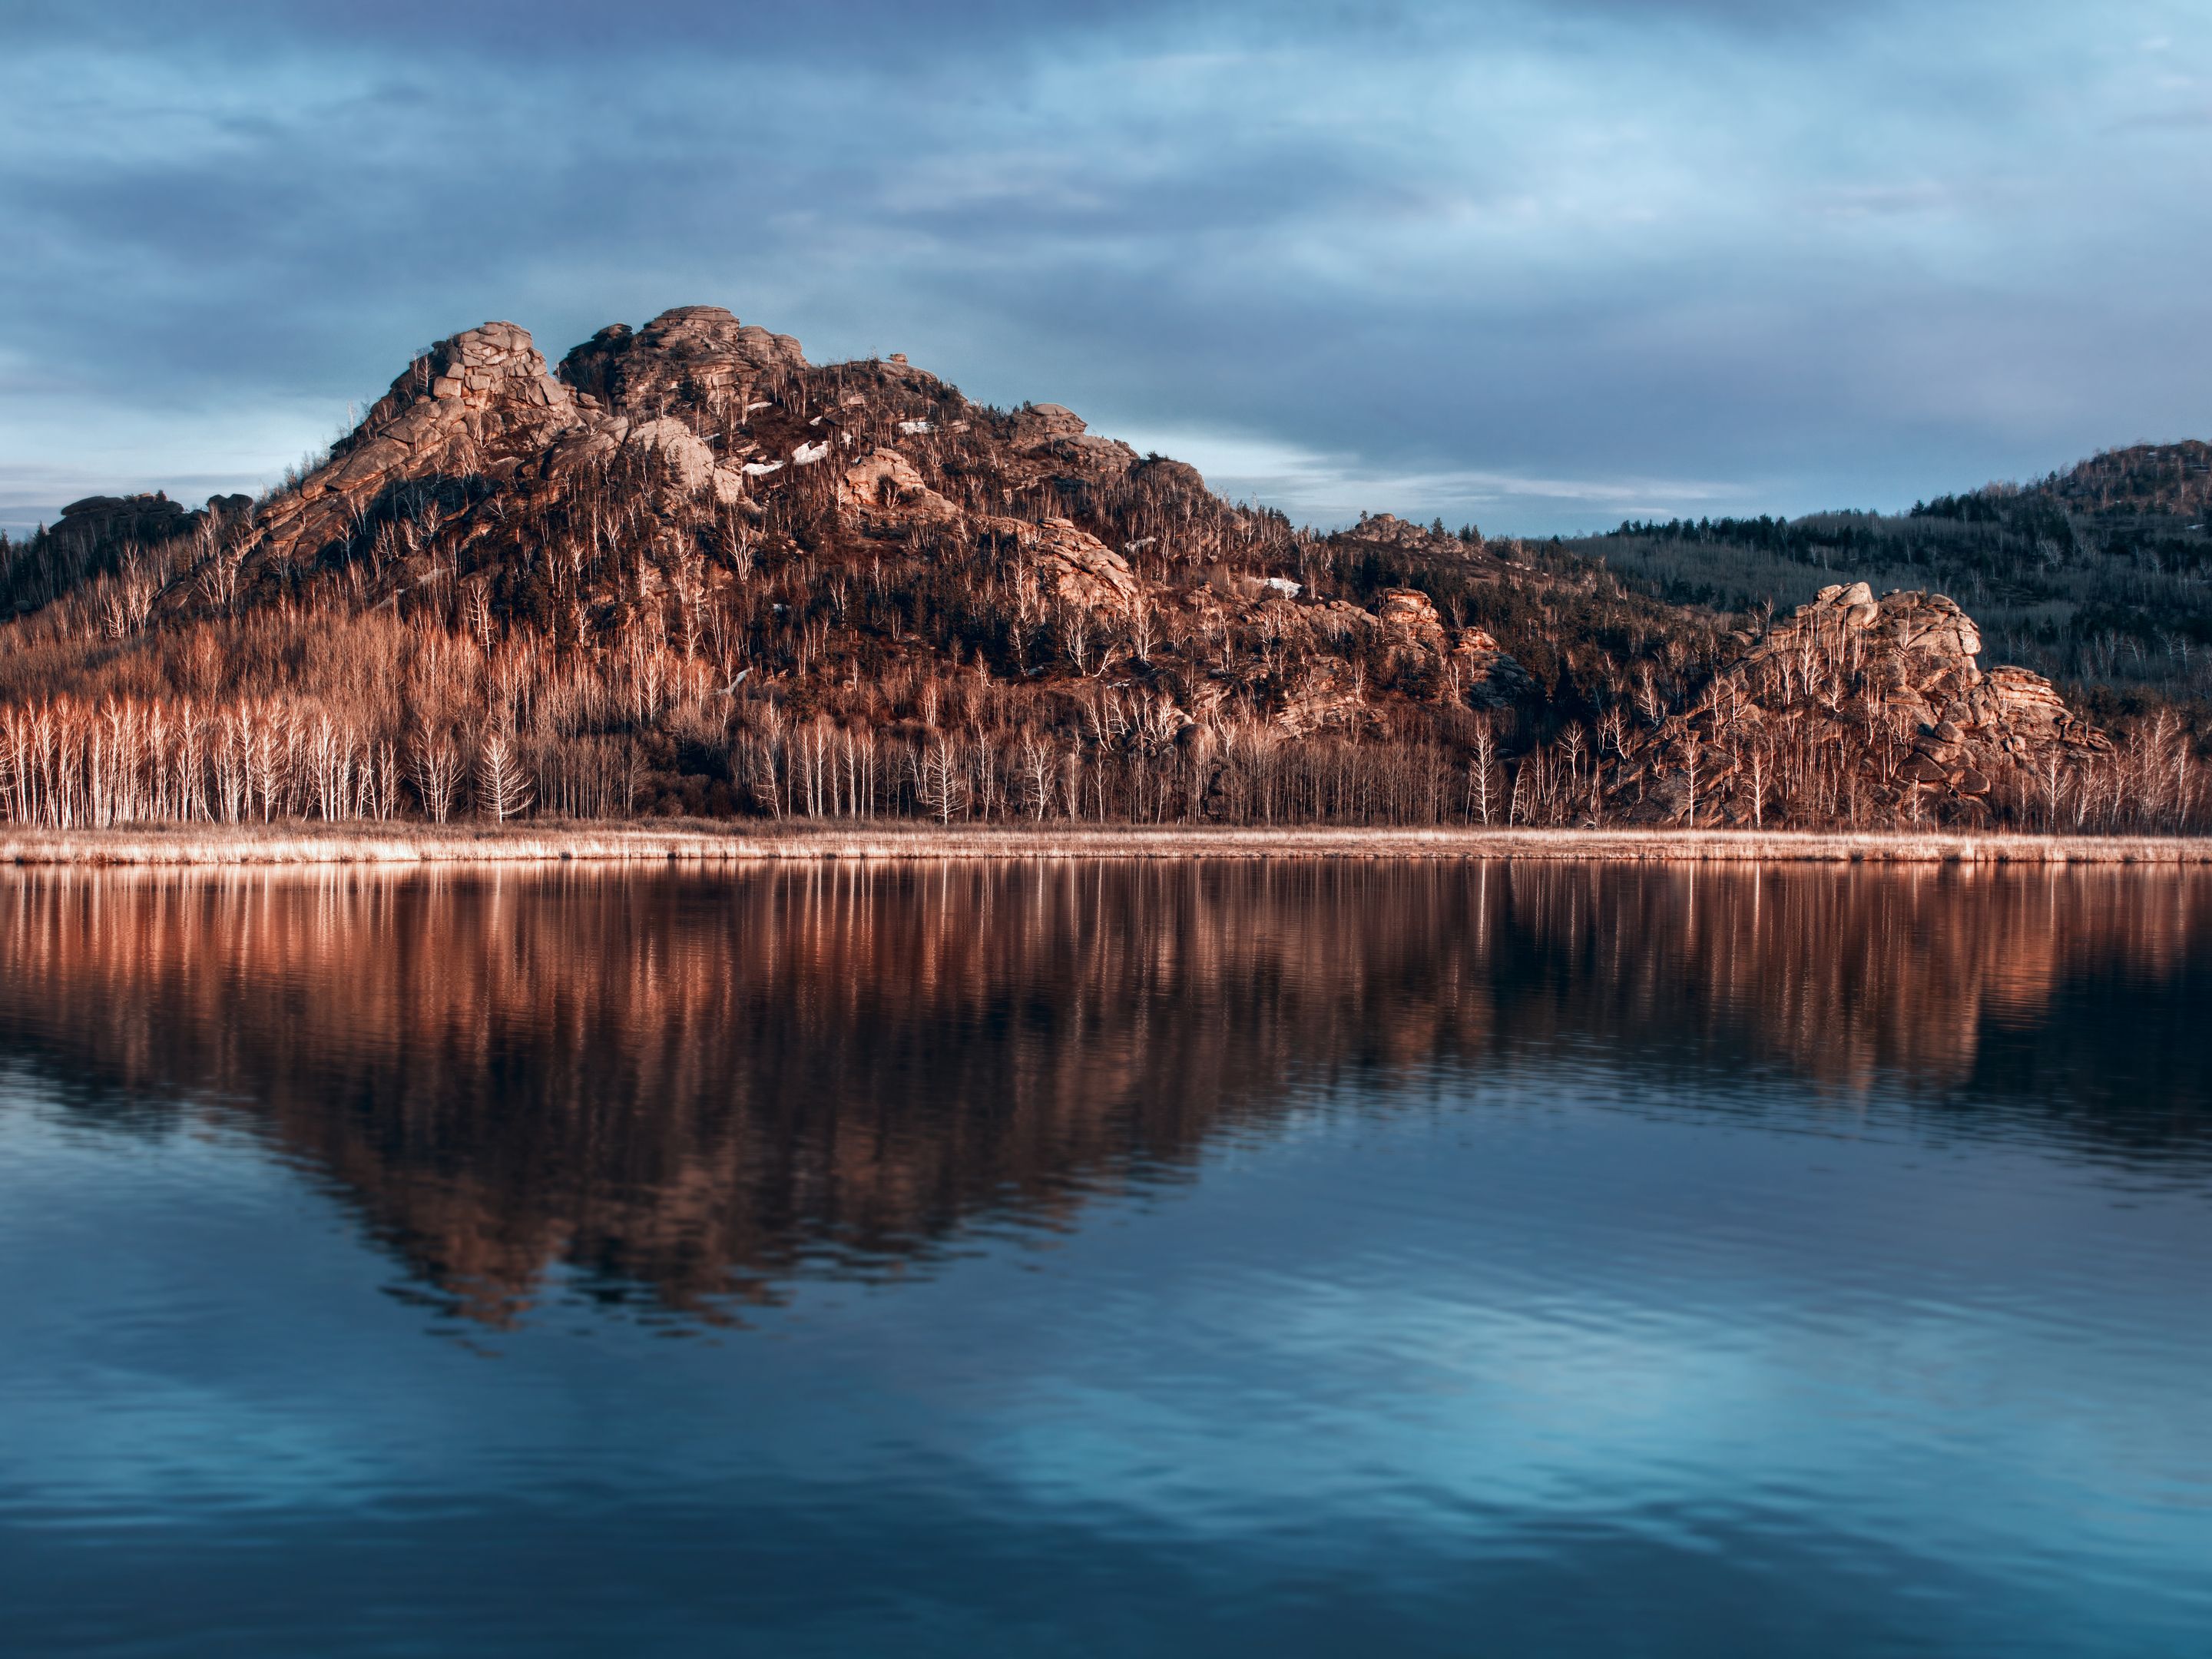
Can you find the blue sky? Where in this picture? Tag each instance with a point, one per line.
(1538, 266)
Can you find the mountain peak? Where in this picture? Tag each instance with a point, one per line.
(471, 386)
(699, 354)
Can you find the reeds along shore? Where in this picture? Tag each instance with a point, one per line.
(310, 843)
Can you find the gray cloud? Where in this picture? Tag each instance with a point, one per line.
(1539, 261)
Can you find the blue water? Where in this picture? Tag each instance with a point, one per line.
(1089, 1261)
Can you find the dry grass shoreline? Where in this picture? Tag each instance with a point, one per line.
(725, 843)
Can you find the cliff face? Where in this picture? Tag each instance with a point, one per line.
(654, 567)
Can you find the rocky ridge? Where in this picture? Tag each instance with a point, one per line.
(692, 504)
(733, 414)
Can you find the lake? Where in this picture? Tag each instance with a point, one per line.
(1331, 1257)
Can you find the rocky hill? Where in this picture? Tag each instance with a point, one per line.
(688, 571)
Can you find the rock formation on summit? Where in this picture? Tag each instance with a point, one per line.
(700, 355)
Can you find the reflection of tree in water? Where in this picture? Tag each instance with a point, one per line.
(699, 1083)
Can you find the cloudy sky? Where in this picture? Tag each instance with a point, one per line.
(1540, 266)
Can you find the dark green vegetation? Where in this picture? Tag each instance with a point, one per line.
(2100, 578)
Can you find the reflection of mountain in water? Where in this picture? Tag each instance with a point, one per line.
(697, 1084)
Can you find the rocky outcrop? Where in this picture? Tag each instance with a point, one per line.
(1914, 654)
(482, 396)
(1477, 669)
(1892, 686)
(885, 488)
(1390, 530)
(480, 403)
(99, 520)
(1038, 424)
(1409, 619)
(1047, 432)
(1484, 675)
(1071, 565)
(690, 461)
(696, 354)
(1327, 697)
(1922, 637)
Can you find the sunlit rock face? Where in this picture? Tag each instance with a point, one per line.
(1966, 727)
(481, 404)
(1924, 639)
(1080, 569)
(1874, 705)
(693, 355)
(488, 386)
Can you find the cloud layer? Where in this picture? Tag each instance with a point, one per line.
(1545, 267)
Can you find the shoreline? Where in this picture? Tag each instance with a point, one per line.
(698, 844)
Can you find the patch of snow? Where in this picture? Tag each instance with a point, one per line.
(761, 469)
(763, 404)
(1286, 586)
(914, 427)
(807, 454)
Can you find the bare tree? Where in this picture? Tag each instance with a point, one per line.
(502, 786)
(1481, 769)
(437, 766)
(940, 780)
(1035, 768)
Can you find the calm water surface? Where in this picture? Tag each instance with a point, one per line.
(1332, 1259)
